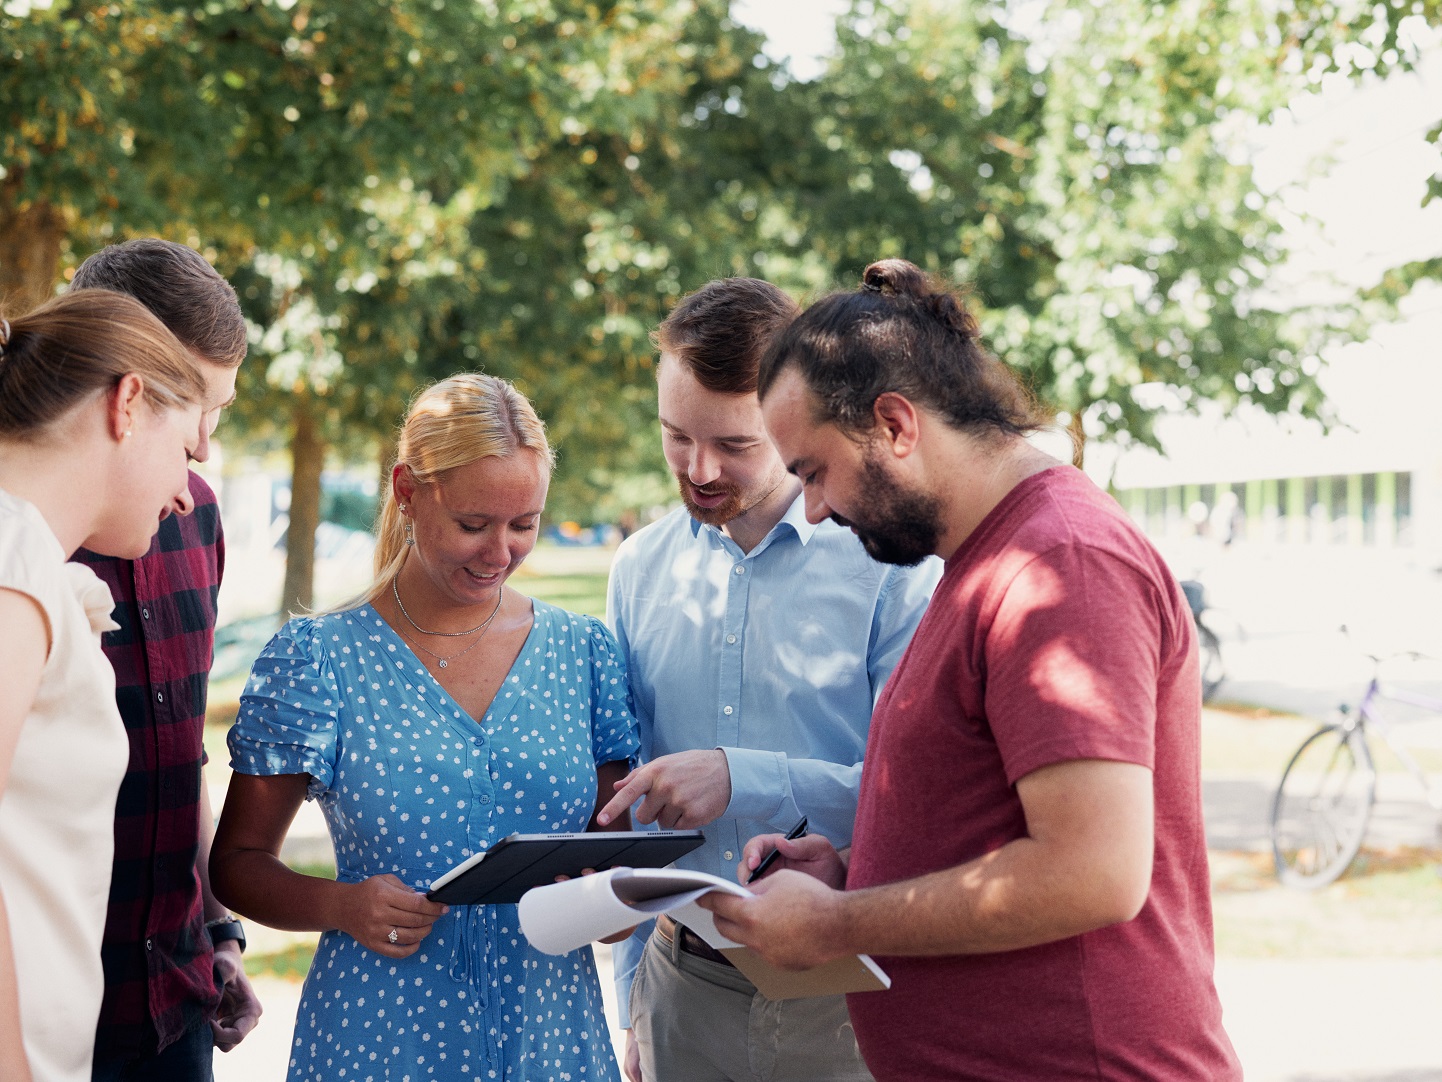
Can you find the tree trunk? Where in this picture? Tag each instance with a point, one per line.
(30, 242)
(307, 449)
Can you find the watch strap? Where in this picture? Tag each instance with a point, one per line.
(226, 929)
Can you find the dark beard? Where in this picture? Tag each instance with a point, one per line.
(900, 526)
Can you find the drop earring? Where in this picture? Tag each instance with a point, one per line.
(410, 531)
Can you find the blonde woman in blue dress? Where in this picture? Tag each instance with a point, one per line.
(441, 713)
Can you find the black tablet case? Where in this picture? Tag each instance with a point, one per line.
(519, 862)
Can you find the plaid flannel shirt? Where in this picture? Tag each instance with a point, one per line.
(159, 979)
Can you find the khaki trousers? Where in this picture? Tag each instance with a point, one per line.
(700, 1021)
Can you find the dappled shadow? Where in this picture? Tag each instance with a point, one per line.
(1238, 814)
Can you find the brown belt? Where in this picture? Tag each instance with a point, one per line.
(689, 942)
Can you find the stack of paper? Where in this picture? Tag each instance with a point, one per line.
(563, 917)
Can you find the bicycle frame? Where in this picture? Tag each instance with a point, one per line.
(1324, 801)
(1372, 720)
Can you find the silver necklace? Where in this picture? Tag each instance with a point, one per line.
(444, 662)
(396, 593)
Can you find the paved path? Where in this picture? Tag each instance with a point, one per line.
(262, 1056)
(1331, 1020)
(1238, 812)
(1334, 1020)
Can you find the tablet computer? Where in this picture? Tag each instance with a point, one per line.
(518, 862)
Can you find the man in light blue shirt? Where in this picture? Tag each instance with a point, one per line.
(756, 644)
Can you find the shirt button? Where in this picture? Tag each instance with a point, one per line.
(728, 711)
(730, 638)
(160, 696)
(740, 570)
(728, 855)
(145, 613)
(485, 799)
(150, 944)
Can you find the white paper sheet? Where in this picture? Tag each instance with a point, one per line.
(562, 917)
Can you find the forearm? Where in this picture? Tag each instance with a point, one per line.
(1018, 896)
(258, 885)
(212, 906)
(13, 1063)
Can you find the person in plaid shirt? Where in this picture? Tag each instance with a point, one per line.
(175, 986)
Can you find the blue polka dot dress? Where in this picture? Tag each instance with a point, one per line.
(411, 785)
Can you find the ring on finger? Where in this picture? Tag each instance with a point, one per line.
(393, 935)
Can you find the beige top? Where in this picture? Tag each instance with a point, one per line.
(58, 809)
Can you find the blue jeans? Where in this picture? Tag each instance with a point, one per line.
(187, 1060)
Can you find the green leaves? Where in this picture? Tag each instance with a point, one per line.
(408, 188)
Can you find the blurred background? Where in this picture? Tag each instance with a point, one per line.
(1207, 233)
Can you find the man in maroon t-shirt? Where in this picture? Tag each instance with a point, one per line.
(1029, 863)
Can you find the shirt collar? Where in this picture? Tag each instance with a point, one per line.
(795, 517)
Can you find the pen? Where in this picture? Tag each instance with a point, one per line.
(769, 859)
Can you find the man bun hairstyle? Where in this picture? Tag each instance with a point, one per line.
(176, 283)
(903, 332)
(721, 331)
(81, 344)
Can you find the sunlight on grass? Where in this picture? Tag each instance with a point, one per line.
(1388, 905)
(291, 964)
(1238, 739)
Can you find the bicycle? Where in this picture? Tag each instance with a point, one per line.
(1324, 800)
(1208, 645)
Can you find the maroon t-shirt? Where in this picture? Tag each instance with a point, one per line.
(1057, 633)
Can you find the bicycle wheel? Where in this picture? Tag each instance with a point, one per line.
(1320, 812)
(1210, 648)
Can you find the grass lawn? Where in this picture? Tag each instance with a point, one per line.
(1389, 905)
(1239, 739)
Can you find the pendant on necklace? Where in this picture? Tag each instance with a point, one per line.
(443, 663)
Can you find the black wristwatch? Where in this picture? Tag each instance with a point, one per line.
(226, 928)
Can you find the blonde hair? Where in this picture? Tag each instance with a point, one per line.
(450, 424)
(81, 343)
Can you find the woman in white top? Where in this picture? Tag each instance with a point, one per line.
(99, 411)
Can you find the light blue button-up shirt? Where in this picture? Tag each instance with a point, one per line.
(775, 656)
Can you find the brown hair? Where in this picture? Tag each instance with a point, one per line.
(183, 291)
(901, 332)
(721, 331)
(81, 343)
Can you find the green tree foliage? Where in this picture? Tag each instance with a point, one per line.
(330, 154)
(1079, 167)
(404, 189)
